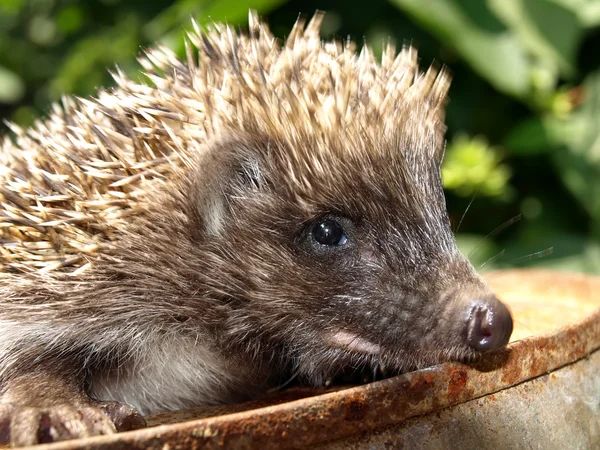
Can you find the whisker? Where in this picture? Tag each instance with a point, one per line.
(493, 258)
(495, 231)
(532, 256)
(523, 325)
(465, 213)
(283, 385)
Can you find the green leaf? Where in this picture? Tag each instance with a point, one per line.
(471, 165)
(538, 135)
(547, 29)
(508, 42)
(11, 6)
(588, 11)
(84, 68)
(205, 11)
(579, 164)
(479, 37)
(12, 88)
(70, 19)
(530, 137)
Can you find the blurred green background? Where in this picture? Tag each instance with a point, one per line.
(523, 121)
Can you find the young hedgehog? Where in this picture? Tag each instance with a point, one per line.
(255, 213)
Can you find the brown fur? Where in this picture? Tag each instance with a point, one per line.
(166, 228)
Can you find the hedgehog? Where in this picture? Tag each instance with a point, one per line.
(256, 212)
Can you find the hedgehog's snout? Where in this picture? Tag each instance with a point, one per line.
(489, 325)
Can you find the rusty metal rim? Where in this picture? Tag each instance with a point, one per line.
(343, 413)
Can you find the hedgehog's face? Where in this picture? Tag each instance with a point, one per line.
(342, 261)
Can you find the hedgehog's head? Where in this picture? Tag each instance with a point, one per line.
(314, 219)
(335, 250)
(317, 215)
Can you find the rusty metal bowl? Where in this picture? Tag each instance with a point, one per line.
(542, 391)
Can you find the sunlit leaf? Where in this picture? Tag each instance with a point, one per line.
(204, 11)
(477, 35)
(536, 22)
(588, 11)
(579, 164)
(471, 165)
(70, 19)
(544, 134)
(12, 88)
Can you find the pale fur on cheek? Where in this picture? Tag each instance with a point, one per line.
(350, 341)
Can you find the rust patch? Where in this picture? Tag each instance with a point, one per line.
(394, 445)
(512, 372)
(356, 409)
(539, 364)
(421, 384)
(458, 381)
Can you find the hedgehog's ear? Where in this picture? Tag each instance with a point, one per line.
(226, 170)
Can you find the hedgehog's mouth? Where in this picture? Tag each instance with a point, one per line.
(349, 341)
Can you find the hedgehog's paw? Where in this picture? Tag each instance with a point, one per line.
(21, 426)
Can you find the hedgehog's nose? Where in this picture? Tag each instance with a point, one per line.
(489, 326)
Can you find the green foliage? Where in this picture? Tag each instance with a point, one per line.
(533, 51)
(12, 87)
(471, 166)
(52, 47)
(523, 127)
(476, 33)
(579, 161)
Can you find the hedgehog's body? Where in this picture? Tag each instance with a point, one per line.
(261, 213)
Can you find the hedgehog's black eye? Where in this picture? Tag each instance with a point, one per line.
(329, 232)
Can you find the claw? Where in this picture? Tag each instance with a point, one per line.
(125, 417)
